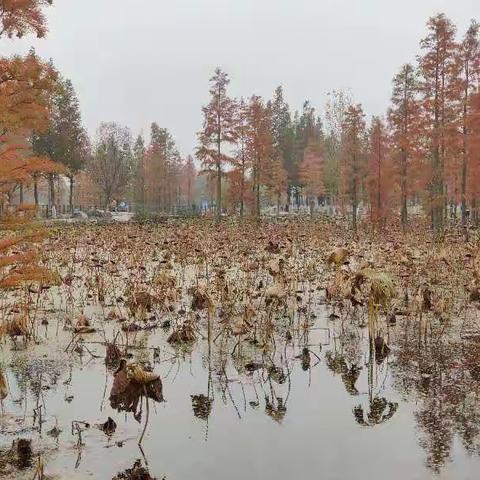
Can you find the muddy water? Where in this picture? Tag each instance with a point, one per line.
(335, 412)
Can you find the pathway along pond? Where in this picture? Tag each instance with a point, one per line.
(262, 374)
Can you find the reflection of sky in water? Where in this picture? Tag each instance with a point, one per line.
(312, 432)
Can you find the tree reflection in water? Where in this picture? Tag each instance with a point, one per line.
(380, 410)
(440, 372)
(345, 358)
(442, 375)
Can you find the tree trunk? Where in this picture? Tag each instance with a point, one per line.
(354, 206)
(72, 181)
(256, 190)
(35, 190)
(219, 191)
(437, 193)
(242, 191)
(463, 186)
(108, 200)
(463, 183)
(463, 192)
(219, 168)
(258, 201)
(379, 191)
(51, 184)
(354, 194)
(403, 188)
(473, 213)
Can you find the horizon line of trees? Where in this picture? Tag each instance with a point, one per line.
(426, 149)
(254, 151)
(114, 167)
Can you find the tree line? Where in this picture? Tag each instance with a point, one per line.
(42, 135)
(252, 152)
(115, 166)
(424, 150)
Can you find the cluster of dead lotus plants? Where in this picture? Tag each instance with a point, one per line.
(239, 287)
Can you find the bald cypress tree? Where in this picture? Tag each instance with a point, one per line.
(439, 71)
(403, 118)
(66, 140)
(283, 136)
(354, 157)
(218, 130)
(139, 159)
(469, 57)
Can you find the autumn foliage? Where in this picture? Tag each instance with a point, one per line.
(20, 17)
(380, 172)
(311, 173)
(218, 131)
(255, 154)
(25, 84)
(422, 156)
(25, 87)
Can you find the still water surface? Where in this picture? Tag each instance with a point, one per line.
(334, 412)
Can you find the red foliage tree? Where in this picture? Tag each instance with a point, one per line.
(25, 87)
(311, 174)
(473, 185)
(259, 146)
(403, 117)
(380, 173)
(237, 178)
(188, 179)
(218, 130)
(276, 178)
(240, 193)
(19, 17)
(163, 167)
(440, 95)
(469, 56)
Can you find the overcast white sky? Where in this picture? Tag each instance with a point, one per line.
(138, 61)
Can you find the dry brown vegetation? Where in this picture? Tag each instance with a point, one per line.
(254, 294)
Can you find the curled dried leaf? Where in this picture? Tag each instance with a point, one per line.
(138, 374)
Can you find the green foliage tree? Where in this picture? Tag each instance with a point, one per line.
(283, 135)
(139, 160)
(335, 110)
(163, 169)
(403, 118)
(308, 133)
(66, 141)
(354, 168)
